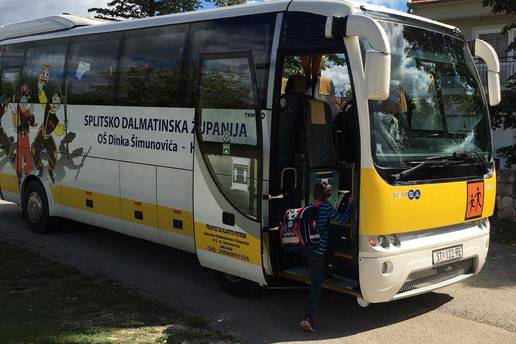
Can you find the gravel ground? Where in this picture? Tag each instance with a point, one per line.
(479, 310)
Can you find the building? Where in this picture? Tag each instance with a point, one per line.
(476, 21)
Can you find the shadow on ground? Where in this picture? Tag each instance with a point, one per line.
(176, 278)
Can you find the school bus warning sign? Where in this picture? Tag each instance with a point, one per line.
(475, 199)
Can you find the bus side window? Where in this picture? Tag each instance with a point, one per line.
(47, 56)
(92, 69)
(243, 34)
(12, 60)
(150, 66)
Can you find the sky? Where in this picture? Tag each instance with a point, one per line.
(12, 11)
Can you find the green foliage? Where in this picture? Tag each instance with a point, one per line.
(507, 7)
(292, 66)
(126, 9)
(504, 115)
(222, 3)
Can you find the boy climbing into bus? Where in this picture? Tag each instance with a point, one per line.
(315, 257)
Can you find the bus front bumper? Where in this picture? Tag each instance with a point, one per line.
(412, 273)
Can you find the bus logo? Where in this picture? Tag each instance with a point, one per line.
(475, 199)
(414, 194)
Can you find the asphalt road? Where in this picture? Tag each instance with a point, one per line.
(479, 310)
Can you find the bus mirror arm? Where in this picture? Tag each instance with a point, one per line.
(485, 51)
(378, 60)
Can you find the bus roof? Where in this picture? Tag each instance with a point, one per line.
(45, 25)
(67, 25)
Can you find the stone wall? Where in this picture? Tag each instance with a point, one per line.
(506, 194)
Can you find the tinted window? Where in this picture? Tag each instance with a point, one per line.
(92, 69)
(229, 132)
(13, 55)
(150, 66)
(9, 84)
(307, 30)
(226, 84)
(242, 34)
(44, 68)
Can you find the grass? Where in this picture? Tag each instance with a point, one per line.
(42, 301)
(503, 231)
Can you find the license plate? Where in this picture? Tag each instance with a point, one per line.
(447, 254)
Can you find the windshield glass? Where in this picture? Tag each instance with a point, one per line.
(435, 107)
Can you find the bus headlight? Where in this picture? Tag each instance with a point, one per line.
(394, 240)
(385, 241)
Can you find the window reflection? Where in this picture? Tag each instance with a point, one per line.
(435, 105)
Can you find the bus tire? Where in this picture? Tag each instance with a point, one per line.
(238, 286)
(35, 209)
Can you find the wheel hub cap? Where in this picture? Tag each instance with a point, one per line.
(34, 207)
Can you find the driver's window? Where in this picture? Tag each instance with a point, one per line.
(327, 78)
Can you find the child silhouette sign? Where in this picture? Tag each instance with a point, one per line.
(475, 200)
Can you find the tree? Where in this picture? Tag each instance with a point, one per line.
(504, 114)
(222, 3)
(126, 9)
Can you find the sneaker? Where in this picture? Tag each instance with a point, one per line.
(307, 324)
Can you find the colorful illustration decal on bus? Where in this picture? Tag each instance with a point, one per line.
(44, 142)
(23, 119)
(6, 142)
(475, 199)
(26, 157)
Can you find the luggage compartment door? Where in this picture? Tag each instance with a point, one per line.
(228, 167)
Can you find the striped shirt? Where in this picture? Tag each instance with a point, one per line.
(326, 214)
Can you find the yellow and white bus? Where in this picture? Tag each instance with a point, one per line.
(198, 130)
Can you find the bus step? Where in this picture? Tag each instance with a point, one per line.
(343, 255)
(337, 283)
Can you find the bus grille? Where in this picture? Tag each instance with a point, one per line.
(428, 277)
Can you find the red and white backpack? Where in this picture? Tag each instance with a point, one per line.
(300, 228)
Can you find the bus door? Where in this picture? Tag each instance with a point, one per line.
(228, 168)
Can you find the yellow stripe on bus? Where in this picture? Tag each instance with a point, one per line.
(9, 183)
(387, 209)
(94, 202)
(167, 219)
(229, 243)
(170, 219)
(139, 212)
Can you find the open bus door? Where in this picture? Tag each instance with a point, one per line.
(228, 168)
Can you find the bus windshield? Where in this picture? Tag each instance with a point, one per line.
(435, 108)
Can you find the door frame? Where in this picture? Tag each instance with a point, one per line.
(203, 169)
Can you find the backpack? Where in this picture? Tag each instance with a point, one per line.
(300, 228)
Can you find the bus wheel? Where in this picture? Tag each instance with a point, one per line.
(238, 286)
(362, 303)
(35, 209)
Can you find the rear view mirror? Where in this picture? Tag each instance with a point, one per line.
(378, 75)
(378, 60)
(483, 50)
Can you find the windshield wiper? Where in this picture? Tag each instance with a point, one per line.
(437, 160)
